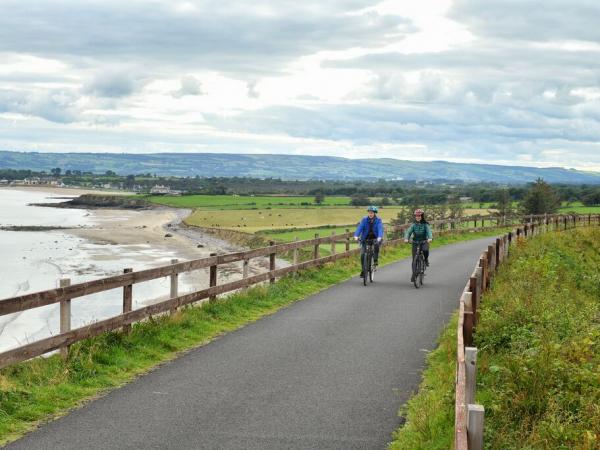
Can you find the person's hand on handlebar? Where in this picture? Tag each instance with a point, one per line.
(378, 239)
(356, 238)
(429, 240)
(406, 241)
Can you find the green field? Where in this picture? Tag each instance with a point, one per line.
(245, 202)
(252, 221)
(578, 208)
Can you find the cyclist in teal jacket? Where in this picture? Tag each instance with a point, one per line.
(421, 235)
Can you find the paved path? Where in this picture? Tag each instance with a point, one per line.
(329, 372)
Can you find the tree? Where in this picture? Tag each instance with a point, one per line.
(129, 181)
(403, 216)
(591, 198)
(540, 199)
(436, 212)
(503, 203)
(319, 197)
(385, 201)
(56, 172)
(456, 207)
(359, 200)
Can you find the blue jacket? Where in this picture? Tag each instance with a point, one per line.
(363, 228)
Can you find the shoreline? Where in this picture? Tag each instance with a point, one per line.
(71, 191)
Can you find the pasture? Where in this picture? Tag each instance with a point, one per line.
(253, 221)
(226, 202)
(578, 208)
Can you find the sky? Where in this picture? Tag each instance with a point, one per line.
(513, 82)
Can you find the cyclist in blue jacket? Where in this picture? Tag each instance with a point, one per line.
(369, 228)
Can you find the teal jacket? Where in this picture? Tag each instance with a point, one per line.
(420, 232)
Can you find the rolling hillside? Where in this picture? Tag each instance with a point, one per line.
(291, 167)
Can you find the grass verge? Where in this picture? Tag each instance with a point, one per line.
(539, 354)
(43, 388)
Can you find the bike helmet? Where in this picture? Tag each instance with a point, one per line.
(419, 212)
(372, 208)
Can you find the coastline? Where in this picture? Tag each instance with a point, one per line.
(45, 245)
(158, 228)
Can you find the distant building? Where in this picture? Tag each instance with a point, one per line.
(160, 189)
(3, 182)
(466, 199)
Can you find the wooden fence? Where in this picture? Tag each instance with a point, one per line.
(67, 292)
(469, 416)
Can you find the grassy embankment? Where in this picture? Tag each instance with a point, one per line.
(34, 391)
(539, 354)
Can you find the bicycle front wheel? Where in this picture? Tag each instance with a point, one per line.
(417, 272)
(371, 269)
(365, 268)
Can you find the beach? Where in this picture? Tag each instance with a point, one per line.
(96, 243)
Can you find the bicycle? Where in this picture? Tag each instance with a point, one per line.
(418, 266)
(368, 261)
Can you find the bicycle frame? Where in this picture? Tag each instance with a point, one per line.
(367, 262)
(418, 265)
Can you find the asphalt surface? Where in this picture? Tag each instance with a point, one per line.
(329, 372)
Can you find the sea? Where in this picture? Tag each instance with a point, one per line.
(32, 261)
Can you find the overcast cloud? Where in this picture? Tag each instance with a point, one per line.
(501, 81)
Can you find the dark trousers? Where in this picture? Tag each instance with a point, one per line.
(424, 246)
(363, 249)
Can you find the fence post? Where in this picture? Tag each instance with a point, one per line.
(245, 266)
(127, 301)
(316, 251)
(468, 318)
(333, 242)
(272, 262)
(212, 279)
(484, 270)
(347, 240)
(65, 317)
(174, 287)
(475, 414)
(471, 373)
(490, 264)
(497, 252)
(295, 256)
(474, 298)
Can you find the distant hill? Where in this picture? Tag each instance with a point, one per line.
(289, 167)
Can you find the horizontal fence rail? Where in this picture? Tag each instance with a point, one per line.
(469, 416)
(125, 281)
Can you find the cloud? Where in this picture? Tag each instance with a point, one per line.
(457, 80)
(189, 86)
(113, 84)
(529, 20)
(53, 105)
(225, 36)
